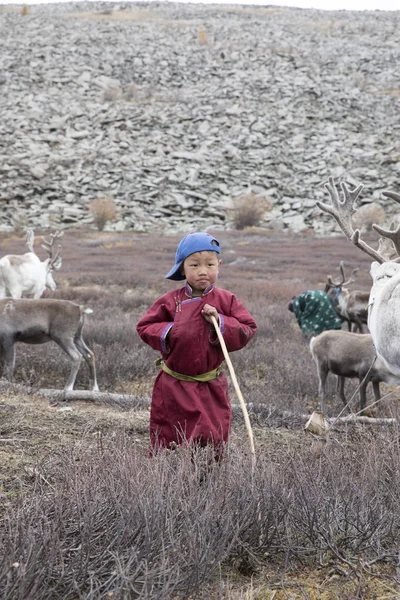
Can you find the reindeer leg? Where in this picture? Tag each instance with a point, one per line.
(341, 389)
(377, 395)
(16, 293)
(2, 360)
(69, 348)
(363, 392)
(89, 358)
(7, 361)
(322, 376)
(358, 324)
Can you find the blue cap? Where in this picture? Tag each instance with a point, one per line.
(194, 242)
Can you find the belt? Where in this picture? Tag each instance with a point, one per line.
(203, 377)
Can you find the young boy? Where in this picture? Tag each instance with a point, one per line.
(190, 395)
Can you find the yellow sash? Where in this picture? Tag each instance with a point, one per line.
(203, 377)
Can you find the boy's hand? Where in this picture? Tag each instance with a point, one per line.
(209, 311)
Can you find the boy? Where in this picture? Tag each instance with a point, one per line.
(190, 395)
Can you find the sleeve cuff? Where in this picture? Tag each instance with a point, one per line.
(213, 337)
(163, 338)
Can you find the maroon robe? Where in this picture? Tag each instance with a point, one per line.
(191, 410)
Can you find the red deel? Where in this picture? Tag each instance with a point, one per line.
(174, 325)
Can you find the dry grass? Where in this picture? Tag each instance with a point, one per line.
(335, 510)
(202, 37)
(140, 15)
(390, 92)
(102, 209)
(10, 8)
(259, 11)
(248, 209)
(367, 215)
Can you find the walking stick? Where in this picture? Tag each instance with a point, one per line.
(237, 389)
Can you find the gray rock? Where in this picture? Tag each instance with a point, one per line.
(172, 128)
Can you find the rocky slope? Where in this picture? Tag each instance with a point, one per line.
(174, 110)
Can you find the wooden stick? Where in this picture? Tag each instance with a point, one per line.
(143, 402)
(365, 420)
(91, 396)
(237, 389)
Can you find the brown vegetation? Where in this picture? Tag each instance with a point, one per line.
(248, 209)
(102, 210)
(202, 37)
(367, 215)
(87, 515)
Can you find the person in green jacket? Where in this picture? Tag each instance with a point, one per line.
(314, 312)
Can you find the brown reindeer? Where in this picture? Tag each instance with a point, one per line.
(348, 355)
(351, 306)
(41, 321)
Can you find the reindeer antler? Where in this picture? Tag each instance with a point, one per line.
(337, 283)
(343, 210)
(55, 261)
(391, 195)
(343, 281)
(392, 234)
(351, 278)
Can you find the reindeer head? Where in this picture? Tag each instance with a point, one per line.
(50, 283)
(380, 273)
(53, 263)
(334, 288)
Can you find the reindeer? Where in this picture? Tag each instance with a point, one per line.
(348, 355)
(384, 299)
(26, 275)
(41, 321)
(350, 306)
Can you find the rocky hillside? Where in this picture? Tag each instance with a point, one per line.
(175, 111)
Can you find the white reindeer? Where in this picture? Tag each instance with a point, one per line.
(41, 321)
(26, 275)
(384, 299)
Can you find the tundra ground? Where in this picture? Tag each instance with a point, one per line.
(318, 520)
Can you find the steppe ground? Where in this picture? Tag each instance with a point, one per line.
(119, 276)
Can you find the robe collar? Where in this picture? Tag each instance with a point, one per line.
(189, 291)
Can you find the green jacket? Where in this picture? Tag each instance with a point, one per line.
(314, 312)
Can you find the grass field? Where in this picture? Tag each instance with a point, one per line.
(86, 513)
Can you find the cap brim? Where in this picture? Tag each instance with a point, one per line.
(175, 273)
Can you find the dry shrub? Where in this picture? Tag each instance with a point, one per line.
(112, 93)
(120, 525)
(102, 520)
(103, 210)
(19, 220)
(367, 215)
(202, 37)
(131, 92)
(248, 209)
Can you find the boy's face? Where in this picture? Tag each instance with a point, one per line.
(201, 269)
